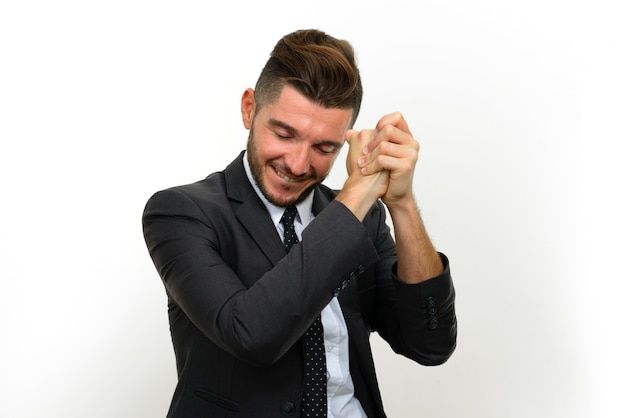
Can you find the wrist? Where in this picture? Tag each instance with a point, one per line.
(360, 192)
(406, 204)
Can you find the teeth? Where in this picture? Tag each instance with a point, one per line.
(284, 177)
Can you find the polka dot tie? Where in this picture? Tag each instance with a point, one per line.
(314, 396)
(289, 236)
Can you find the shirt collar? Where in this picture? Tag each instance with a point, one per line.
(305, 208)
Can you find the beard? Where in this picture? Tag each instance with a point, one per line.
(257, 166)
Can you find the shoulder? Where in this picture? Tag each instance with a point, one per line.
(215, 188)
(210, 191)
(211, 187)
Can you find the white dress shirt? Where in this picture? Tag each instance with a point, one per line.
(339, 385)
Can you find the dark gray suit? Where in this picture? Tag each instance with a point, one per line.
(238, 304)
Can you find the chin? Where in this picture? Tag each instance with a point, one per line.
(283, 199)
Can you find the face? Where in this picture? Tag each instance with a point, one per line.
(292, 144)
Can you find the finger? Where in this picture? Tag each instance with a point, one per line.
(394, 119)
(391, 142)
(361, 138)
(389, 156)
(357, 140)
(389, 133)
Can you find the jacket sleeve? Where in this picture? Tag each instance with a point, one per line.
(417, 320)
(256, 323)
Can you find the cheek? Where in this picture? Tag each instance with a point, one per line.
(268, 149)
(323, 164)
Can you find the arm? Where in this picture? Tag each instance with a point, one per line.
(243, 304)
(393, 148)
(415, 308)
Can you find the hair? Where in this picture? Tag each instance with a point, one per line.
(319, 66)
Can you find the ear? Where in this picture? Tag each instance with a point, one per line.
(247, 108)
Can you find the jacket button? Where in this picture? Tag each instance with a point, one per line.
(288, 408)
(432, 324)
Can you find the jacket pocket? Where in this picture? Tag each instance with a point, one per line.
(217, 400)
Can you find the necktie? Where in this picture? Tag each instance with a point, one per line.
(314, 396)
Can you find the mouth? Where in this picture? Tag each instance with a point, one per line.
(285, 174)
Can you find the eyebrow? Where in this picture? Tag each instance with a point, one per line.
(279, 124)
(293, 131)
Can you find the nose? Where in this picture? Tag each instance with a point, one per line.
(299, 160)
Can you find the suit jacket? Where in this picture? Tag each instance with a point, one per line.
(238, 304)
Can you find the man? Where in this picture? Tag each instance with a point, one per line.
(244, 307)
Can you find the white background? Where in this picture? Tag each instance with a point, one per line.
(518, 106)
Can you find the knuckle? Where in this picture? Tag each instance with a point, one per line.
(387, 129)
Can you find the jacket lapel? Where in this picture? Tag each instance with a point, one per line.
(251, 211)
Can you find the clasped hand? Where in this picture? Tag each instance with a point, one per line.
(384, 159)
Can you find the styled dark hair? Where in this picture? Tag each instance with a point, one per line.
(318, 66)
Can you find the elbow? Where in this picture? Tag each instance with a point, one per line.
(437, 358)
(256, 349)
(441, 349)
(433, 348)
(258, 355)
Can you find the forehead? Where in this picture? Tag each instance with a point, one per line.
(297, 111)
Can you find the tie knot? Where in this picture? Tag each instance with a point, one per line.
(289, 215)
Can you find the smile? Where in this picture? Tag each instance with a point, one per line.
(286, 177)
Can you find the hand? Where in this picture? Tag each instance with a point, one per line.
(377, 182)
(392, 148)
(360, 191)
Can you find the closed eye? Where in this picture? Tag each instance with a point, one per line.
(328, 148)
(283, 135)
